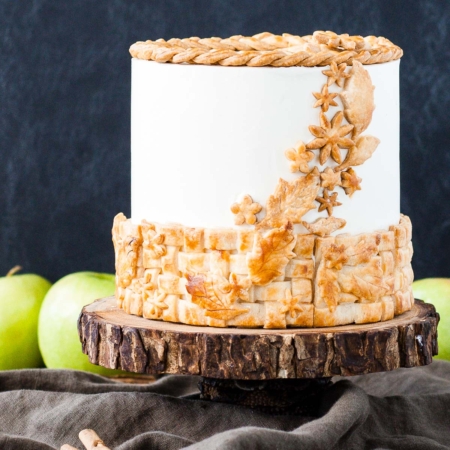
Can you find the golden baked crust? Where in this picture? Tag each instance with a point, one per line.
(272, 278)
(322, 48)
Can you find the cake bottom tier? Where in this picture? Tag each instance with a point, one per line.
(273, 279)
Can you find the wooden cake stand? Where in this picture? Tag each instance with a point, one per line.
(277, 370)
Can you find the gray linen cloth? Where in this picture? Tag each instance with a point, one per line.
(43, 409)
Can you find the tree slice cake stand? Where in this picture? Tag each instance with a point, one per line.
(276, 370)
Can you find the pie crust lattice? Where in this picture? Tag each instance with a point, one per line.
(272, 279)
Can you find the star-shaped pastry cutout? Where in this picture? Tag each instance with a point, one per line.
(330, 179)
(330, 137)
(350, 182)
(245, 211)
(299, 158)
(336, 74)
(325, 99)
(328, 202)
(290, 304)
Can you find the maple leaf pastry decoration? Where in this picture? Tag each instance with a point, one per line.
(330, 137)
(245, 211)
(336, 74)
(218, 295)
(270, 254)
(325, 99)
(328, 202)
(330, 179)
(350, 182)
(291, 200)
(299, 157)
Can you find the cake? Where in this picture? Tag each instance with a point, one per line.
(265, 186)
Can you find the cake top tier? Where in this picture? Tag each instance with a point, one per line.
(267, 49)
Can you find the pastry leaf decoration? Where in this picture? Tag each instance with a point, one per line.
(270, 254)
(371, 288)
(361, 253)
(324, 225)
(217, 295)
(328, 287)
(358, 99)
(291, 200)
(365, 281)
(360, 152)
(350, 181)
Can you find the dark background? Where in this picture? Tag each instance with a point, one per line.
(65, 113)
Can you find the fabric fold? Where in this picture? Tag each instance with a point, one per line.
(406, 409)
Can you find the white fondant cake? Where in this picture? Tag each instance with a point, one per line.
(202, 136)
(265, 183)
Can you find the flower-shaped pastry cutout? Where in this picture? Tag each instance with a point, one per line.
(350, 182)
(330, 179)
(245, 211)
(290, 304)
(325, 99)
(157, 304)
(299, 157)
(336, 74)
(330, 137)
(328, 202)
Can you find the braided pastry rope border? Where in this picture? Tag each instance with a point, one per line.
(267, 49)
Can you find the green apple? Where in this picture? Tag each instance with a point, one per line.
(58, 335)
(437, 292)
(21, 297)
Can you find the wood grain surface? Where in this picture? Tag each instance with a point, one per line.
(114, 339)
